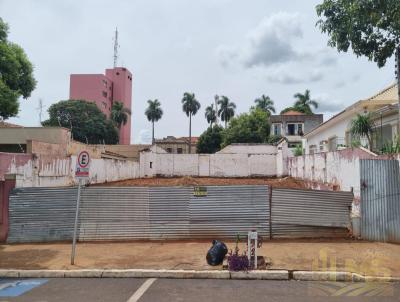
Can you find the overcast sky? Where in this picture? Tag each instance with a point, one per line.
(241, 49)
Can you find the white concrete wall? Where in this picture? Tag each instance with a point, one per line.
(249, 149)
(262, 164)
(170, 164)
(204, 165)
(107, 170)
(338, 170)
(55, 172)
(283, 153)
(229, 165)
(258, 161)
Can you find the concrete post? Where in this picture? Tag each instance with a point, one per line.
(6, 186)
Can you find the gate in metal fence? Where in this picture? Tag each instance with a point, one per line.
(159, 213)
(380, 200)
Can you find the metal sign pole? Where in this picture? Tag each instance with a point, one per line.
(76, 223)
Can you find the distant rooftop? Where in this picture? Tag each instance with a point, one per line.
(293, 112)
(9, 125)
(173, 139)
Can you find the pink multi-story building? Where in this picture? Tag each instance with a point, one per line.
(115, 85)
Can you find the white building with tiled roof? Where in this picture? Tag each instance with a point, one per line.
(335, 134)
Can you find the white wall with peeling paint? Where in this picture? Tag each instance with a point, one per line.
(45, 171)
(338, 170)
(233, 161)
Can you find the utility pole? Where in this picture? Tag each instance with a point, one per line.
(40, 109)
(398, 86)
(116, 46)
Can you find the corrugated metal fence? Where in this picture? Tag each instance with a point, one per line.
(380, 200)
(156, 213)
(310, 213)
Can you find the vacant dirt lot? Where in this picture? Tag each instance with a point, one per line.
(369, 258)
(286, 182)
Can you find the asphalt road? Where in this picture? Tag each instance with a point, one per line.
(159, 290)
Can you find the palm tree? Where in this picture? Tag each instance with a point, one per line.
(265, 103)
(363, 126)
(226, 109)
(210, 114)
(154, 114)
(304, 102)
(119, 114)
(190, 106)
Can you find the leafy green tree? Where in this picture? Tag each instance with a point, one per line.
(265, 103)
(391, 148)
(371, 28)
(210, 140)
(298, 150)
(304, 102)
(190, 106)
(363, 126)
(226, 109)
(86, 122)
(274, 139)
(153, 114)
(119, 114)
(253, 127)
(16, 75)
(210, 114)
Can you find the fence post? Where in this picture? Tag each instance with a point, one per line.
(270, 212)
(7, 185)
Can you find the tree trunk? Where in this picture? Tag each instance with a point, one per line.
(190, 133)
(152, 137)
(369, 142)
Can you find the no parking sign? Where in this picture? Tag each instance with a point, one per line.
(81, 172)
(82, 165)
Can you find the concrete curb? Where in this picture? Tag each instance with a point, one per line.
(193, 274)
(322, 276)
(261, 275)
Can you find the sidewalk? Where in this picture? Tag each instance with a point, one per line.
(366, 258)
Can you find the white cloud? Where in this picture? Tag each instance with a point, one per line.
(273, 48)
(269, 43)
(144, 137)
(291, 75)
(328, 105)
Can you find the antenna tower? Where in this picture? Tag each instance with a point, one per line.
(40, 109)
(116, 46)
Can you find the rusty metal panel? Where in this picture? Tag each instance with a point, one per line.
(310, 213)
(229, 210)
(380, 200)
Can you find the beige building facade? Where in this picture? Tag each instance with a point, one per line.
(180, 145)
(335, 133)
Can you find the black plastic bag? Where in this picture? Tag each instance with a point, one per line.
(216, 253)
